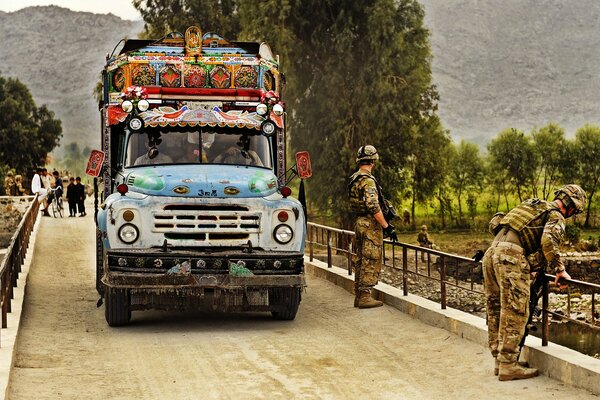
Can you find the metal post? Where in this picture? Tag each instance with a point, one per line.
(443, 282)
(405, 270)
(428, 266)
(593, 307)
(328, 249)
(5, 301)
(544, 311)
(350, 256)
(310, 242)
(568, 302)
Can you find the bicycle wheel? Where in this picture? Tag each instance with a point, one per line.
(54, 207)
(59, 206)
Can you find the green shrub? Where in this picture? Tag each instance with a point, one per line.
(572, 233)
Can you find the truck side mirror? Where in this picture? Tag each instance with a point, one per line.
(303, 168)
(95, 163)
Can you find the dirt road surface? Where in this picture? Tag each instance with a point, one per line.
(65, 350)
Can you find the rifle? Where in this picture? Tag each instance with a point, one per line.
(535, 292)
(387, 208)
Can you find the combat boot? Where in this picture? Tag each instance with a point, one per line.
(366, 301)
(512, 371)
(497, 365)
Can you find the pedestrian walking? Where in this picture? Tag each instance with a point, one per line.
(80, 194)
(533, 226)
(72, 197)
(370, 227)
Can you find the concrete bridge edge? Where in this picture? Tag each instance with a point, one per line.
(10, 334)
(555, 361)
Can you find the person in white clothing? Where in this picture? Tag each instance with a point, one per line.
(38, 189)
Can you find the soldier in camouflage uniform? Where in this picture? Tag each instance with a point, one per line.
(534, 225)
(370, 228)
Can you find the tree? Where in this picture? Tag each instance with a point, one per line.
(466, 171)
(427, 162)
(164, 16)
(357, 73)
(27, 133)
(549, 143)
(513, 152)
(587, 148)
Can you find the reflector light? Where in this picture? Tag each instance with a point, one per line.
(285, 191)
(136, 124)
(122, 188)
(128, 215)
(283, 216)
(268, 128)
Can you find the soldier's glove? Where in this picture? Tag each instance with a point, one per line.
(390, 232)
(478, 255)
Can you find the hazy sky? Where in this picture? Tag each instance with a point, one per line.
(120, 8)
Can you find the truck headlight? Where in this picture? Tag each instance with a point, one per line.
(143, 105)
(262, 109)
(128, 233)
(283, 234)
(127, 106)
(278, 109)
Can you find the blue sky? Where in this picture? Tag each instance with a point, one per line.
(121, 8)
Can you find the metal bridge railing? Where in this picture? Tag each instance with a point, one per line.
(10, 267)
(450, 270)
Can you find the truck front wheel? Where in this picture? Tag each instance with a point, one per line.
(287, 300)
(116, 309)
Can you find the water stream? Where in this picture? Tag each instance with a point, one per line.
(581, 338)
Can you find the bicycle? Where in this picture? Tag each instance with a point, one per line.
(56, 203)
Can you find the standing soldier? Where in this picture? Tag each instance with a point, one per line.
(534, 225)
(9, 184)
(370, 227)
(424, 241)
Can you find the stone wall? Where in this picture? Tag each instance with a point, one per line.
(583, 266)
(11, 212)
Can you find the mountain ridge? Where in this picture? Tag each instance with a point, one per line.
(517, 63)
(59, 54)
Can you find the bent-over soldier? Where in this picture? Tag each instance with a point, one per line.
(532, 226)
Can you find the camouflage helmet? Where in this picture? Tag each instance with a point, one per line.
(572, 196)
(367, 152)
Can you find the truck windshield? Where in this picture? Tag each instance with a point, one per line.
(197, 147)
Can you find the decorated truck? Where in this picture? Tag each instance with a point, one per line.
(195, 212)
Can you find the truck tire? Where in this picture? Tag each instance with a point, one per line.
(116, 308)
(288, 299)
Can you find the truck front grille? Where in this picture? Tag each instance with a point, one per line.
(206, 223)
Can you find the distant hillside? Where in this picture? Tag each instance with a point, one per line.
(59, 54)
(517, 63)
(497, 64)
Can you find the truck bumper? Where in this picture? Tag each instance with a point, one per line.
(155, 269)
